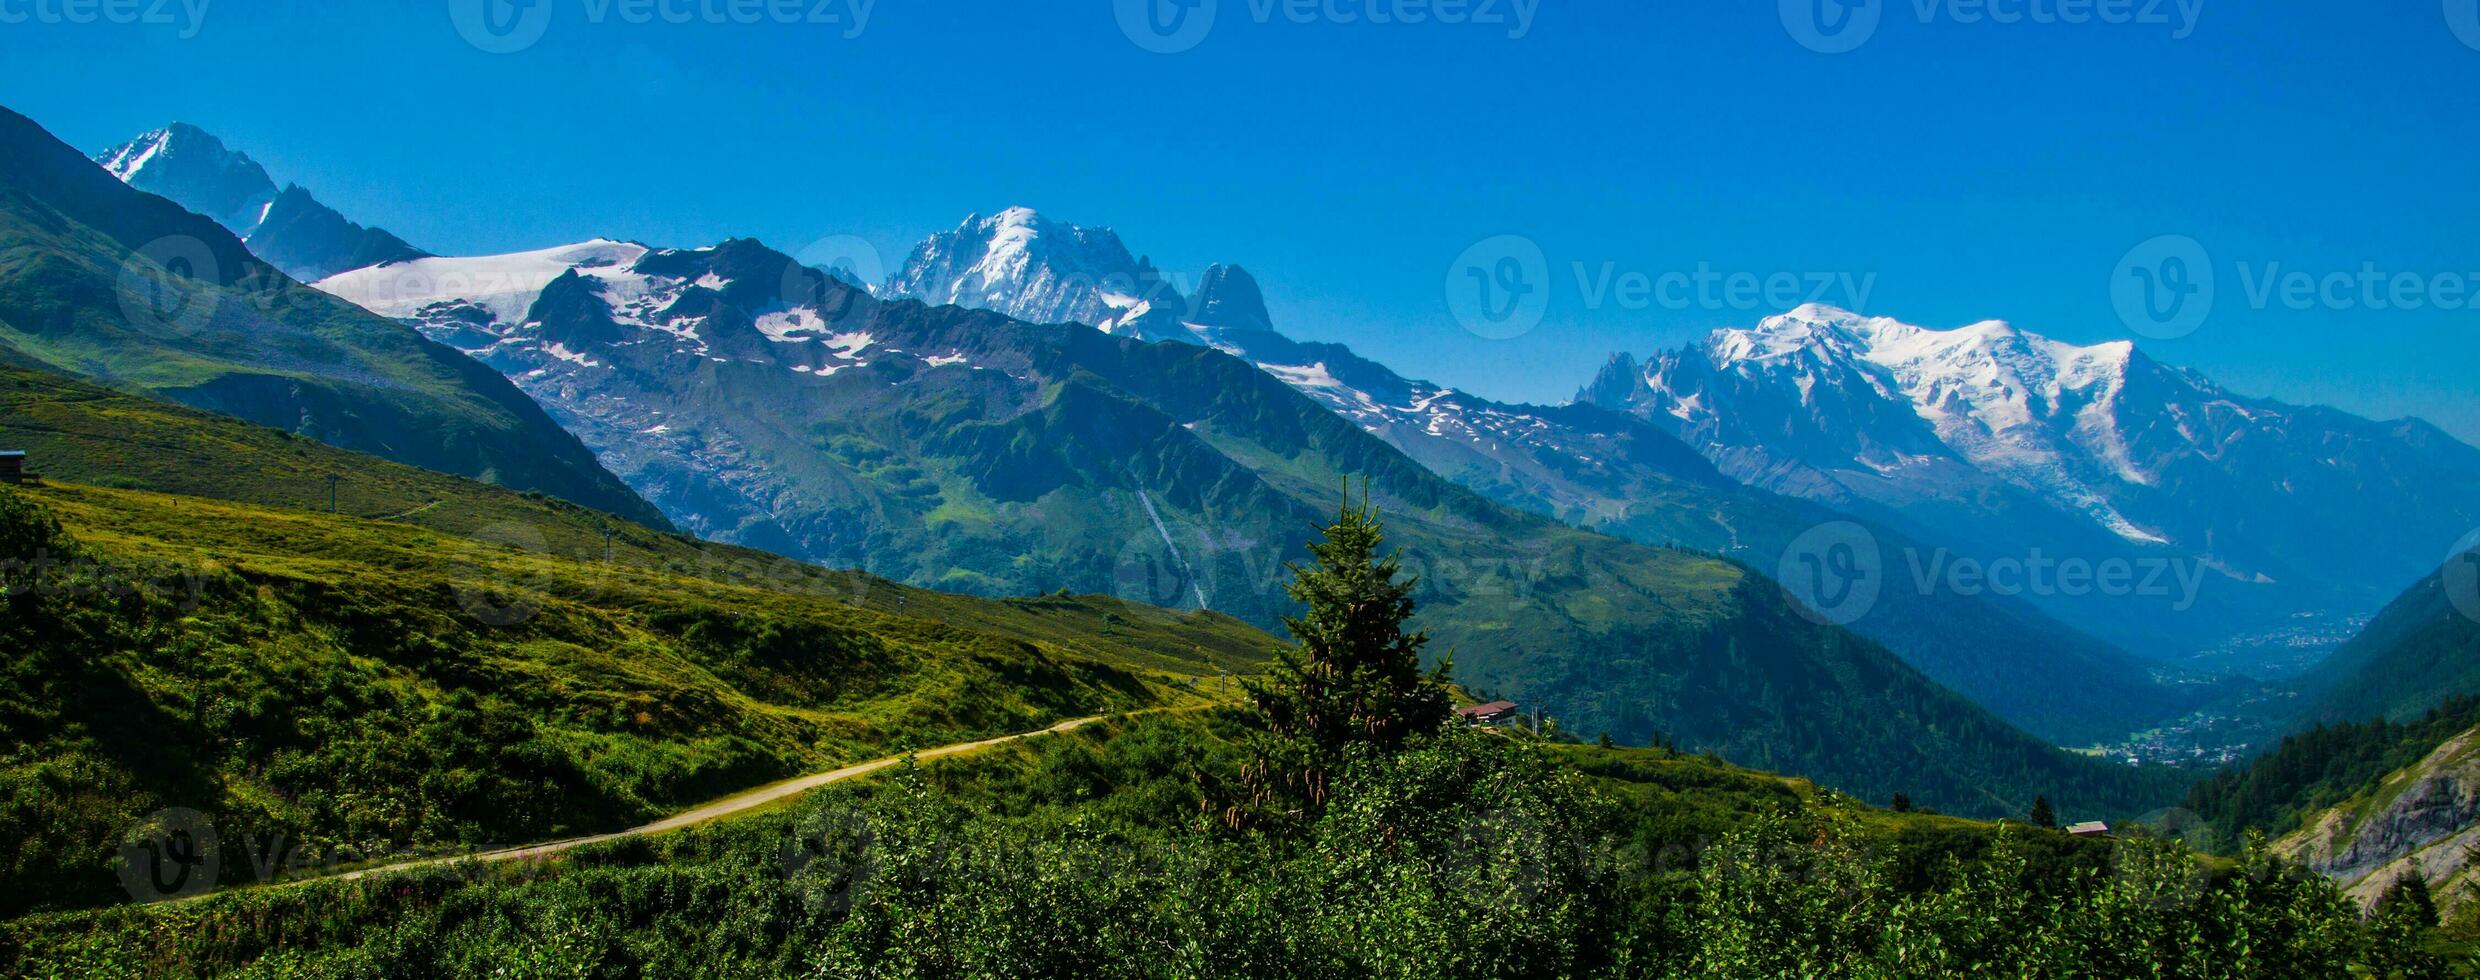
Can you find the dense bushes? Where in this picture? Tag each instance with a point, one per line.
(1466, 855)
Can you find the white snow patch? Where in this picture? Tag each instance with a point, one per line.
(124, 166)
(506, 285)
(787, 327)
(562, 352)
(850, 345)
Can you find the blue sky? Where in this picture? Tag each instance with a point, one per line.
(1950, 169)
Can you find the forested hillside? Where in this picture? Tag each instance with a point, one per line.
(2420, 651)
(2321, 767)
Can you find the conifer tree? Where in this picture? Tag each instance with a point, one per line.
(2408, 899)
(2042, 816)
(1357, 676)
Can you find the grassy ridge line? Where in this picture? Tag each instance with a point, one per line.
(521, 579)
(502, 564)
(80, 432)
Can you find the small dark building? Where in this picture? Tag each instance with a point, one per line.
(12, 466)
(1486, 714)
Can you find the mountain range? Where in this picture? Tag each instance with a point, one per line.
(763, 403)
(1561, 462)
(1582, 464)
(2294, 522)
(2257, 535)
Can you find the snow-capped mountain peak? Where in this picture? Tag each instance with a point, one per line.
(285, 226)
(1822, 332)
(1228, 304)
(192, 167)
(1032, 268)
(1812, 327)
(1993, 374)
(1005, 262)
(1830, 388)
(1991, 433)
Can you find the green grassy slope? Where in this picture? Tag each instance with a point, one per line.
(449, 663)
(79, 432)
(103, 281)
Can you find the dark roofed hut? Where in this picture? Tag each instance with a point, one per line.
(12, 466)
